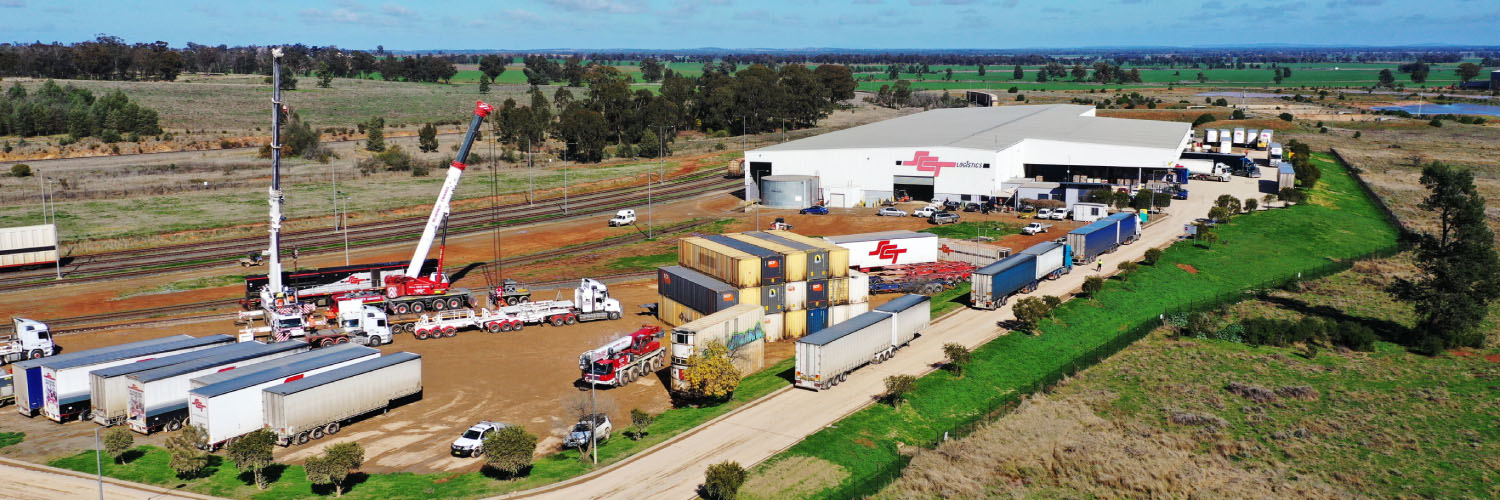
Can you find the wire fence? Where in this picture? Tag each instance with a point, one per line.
(887, 472)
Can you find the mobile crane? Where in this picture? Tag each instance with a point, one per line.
(625, 359)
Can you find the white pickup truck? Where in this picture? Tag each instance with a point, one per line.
(622, 218)
(1036, 228)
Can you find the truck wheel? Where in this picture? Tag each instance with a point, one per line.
(454, 303)
(332, 429)
(317, 433)
(492, 327)
(557, 321)
(325, 342)
(510, 301)
(173, 425)
(342, 340)
(302, 438)
(450, 331)
(517, 326)
(613, 315)
(438, 305)
(417, 308)
(570, 319)
(420, 334)
(402, 309)
(524, 298)
(36, 353)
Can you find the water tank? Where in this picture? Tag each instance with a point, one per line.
(737, 167)
(789, 191)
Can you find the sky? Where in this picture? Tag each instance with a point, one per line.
(738, 24)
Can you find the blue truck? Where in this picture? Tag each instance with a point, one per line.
(993, 285)
(1103, 236)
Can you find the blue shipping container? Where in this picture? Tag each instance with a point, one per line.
(994, 284)
(817, 319)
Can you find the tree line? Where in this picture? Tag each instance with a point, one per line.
(54, 109)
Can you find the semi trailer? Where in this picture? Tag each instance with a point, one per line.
(994, 284)
(28, 246)
(226, 406)
(888, 248)
(591, 302)
(65, 383)
(1104, 236)
(311, 407)
(158, 397)
(28, 373)
(109, 388)
(448, 323)
(826, 358)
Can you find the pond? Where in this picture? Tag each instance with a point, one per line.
(1461, 108)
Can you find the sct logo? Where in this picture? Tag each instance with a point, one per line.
(887, 250)
(926, 162)
(198, 403)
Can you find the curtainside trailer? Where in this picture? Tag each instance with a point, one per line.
(1091, 241)
(158, 397)
(912, 312)
(824, 359)
(1128, 228)
(65, 384)
(109, 388)
(230, 407)
(320, 405)
(28, 374)
(1053, 259)
(993, 285)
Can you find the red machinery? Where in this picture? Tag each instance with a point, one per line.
(625, 359)
(926, 278)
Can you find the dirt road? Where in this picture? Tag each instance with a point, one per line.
(675, 468)
(25, 481)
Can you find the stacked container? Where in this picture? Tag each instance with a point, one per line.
(739, 328)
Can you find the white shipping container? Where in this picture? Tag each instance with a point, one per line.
(1225, 147)
(972, 252)
(888, 248)
(859, 288)
(773, 324)
(741, 330)
(796, 295)
(159, 397)
(1211, 135)
(306, 409)
(1239, 136)
(232, 407)
(28, 245)
(841, 313)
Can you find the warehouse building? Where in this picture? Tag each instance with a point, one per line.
(1055, 151)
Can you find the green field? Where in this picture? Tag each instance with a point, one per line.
(1305, 74)
(971, 230)
(1255, 250)
(11, 438)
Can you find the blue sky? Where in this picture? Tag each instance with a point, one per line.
(667, 24)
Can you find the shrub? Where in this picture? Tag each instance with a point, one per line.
(640, 420)
(334, 466)
(1251, 204)
(395, 159)
(184, 454)
(1285, 116)
(1030, 311)
(1126, 268)
(252, 453)
(1092, 285)
(897, 387)
(1199, 324)
(117, 441)
(1238, 114)
(509, 450)
(20, 170)
(1202, 119)
(1152, 255)
(711, 374)
(958, 355)
(1436, 122)
(722, 481)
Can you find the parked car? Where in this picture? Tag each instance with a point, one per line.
(971, 207)
(1044, 213)
(1060, 214)
(924, 212)
(622, 218)
(943, 218)
(1027, 209)
(1036, 228)
(950, 205)
(579, 436)
(814, 210)
(891, 212)
(471, 443)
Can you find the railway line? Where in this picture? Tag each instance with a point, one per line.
(130, 263)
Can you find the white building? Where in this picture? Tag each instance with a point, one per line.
(976, 154)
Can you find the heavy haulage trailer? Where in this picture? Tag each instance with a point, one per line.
(229, 405)
(158, 397)
(994, 284)
(319, 405)
(448, 323)
(591, 302)
(65, 382)
(826, 358)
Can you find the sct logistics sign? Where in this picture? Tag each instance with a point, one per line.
(880, 252)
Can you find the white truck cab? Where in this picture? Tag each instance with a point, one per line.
(33, 339)
(623, 218)
(360, 320)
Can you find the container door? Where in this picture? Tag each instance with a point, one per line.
(817, 319)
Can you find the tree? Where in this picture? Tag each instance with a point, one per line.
(484, 84)
(334, 465)
(492, 65)
(897, 387)
(1202, 78)
(958, 355)
(184, 453)
(252, 453)
(1387, 79)
(509, 450)
(1127, 268)
(1078, 72)
(1238, 114)
(1209, 238)
(1268, 199)
(1418, 71)
(1092, 285)
(651, 69)
(375, 138)
(300, 138)
(722, 481)
(325, 77)
(1228, 202)
(901, 92)
(1290, 195)
(640, 420)
(1286, 117)
(1041, 76)
(1467, 71)
(981, 70)
(838, 80)
(1219, 214)
(1202, 119)
(117, 441)
(20, 170)
(711, 374)
(1030, 311)
(1460, 270)
(1017, 73)
(1251, 204)
(1152, 256)
(427, 139)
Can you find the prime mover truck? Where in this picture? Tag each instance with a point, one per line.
(228, 407)
(159, 397)
(320, 405)
(1104, 236)
(824, 359)
(993, 285)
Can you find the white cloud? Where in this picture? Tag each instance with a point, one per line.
(12, 4)
(391, 9)
(608, 6)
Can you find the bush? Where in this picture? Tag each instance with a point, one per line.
(20, 170)
(1202, 119)
(1152, 255)
(722, 481)
(1251, 204)
(252, 453)
(1285, 117)
(1126, 269)
(639, 420)
(958, 355)
(897, 387)
(334, 466)
(185, 456)
(117, 441)
(1030, 311)
(1013, 90)
(1238, 114)
(711, 374)
(395, 159)
(1092, 285)
(509, 450)
(1436, 122)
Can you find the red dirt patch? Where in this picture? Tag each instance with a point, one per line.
(1189, 269)
(1462, 354)
(1493, 358)
(865, 442)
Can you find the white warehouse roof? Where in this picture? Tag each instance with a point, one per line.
(998, 128)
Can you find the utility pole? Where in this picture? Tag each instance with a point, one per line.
(530, 176)
(334, 173)
(650, 222)
(346, 227)
(593, 424)
(56, 242)
(98, 463)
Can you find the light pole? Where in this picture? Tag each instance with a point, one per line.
(345, 212)
(56, 244)
(565, 175)
(530, 176)
(334, 174)
(650, 222)
(98, 463)
(593, 424)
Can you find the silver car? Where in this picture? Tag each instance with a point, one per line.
(891, 212)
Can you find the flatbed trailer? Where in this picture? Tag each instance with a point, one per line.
(448, 323)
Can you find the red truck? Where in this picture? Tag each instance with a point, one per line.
(625, 359)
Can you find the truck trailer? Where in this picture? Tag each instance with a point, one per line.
(158, 397)
(738, 327)
(1103, 236)
(28, 246)
(231, 406)
(109, 388)
(28, 374)
(824, 359)
(888, 248)
(1021, 273)
(65, 383)
(315, 406)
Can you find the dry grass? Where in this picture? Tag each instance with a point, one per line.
(793, 478)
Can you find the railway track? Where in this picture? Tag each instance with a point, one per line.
(130, 263)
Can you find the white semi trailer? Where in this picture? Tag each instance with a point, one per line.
(825, 358)
(28, 374)
(158, 397)
(320, 405)
(109, 388)
(65, 384)
(231, 407)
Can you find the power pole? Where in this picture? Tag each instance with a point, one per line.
(98, 463)
(593, 424)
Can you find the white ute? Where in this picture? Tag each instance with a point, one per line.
(471, 443)
(1036, 228)
(579, 436)
(32, 340)
(622, 218)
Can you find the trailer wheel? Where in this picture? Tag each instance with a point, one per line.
(302, 438)
(317, 433)
(510, 301)
(557, 321)
(438, 305)
(342, 340)
(454, 303)
(402, 309)
(524, 298)
(421, 334)
(492, 327)
(325, 342)
(614, 315)
(333, 428)
(450, 331)
(570, 319)
(417, 308)
(173, 425)
(517, 326)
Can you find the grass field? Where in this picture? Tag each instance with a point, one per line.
(1385, 424)
(1339, 223)
(644, 262)
(970, 230)
(11, 438)
(221, 479)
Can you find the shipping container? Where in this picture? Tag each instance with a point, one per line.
(772, 298)
(794, 261)
(1265, 138)
(859, 288)
(993, 285)
(825, 359)
(28, 373)
(1091, 241)
(1286, 176)
(158, 397)
(794, 325)
(1211, 136)
(817, 319)
(972, 252)
(838, 257)
(65, 384)
(740, 329)
(774, 325)
(841, 313)
(720, 262)
(28, 246)
(230, 405)
(696, 290)
(817, 294)
(1251, 137)
(674, 313)
(1053, 259)
(315, 406)
(109, 388)
(885, 248)
(1239, 136)
(772, 263)
(815, 258)
(796, 295)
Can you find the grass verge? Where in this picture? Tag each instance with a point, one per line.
(969, 230)
(1254, 250)
(148, 464)
(643, 262)
(11, 438)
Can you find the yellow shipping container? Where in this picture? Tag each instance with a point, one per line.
(796, 260)
(722, 262)
(794, 325)
(674, 313)
(838, 257)
(838, 291)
